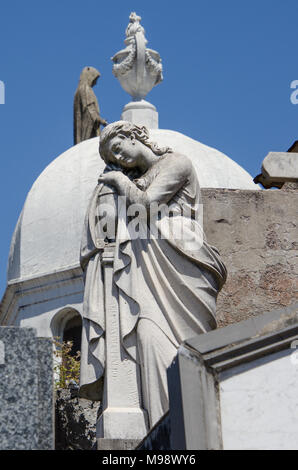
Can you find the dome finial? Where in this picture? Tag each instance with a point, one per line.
(138, 69)
(134, 26)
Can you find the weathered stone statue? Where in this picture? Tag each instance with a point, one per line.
(164, 276)
(87, 119)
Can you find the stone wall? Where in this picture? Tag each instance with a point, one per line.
(256, 234)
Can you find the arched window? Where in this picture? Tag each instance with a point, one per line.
(67, 326)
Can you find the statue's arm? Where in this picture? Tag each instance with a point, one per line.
(174, 173)
(164, 186)
(102, 121)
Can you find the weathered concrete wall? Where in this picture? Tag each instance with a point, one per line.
(256, 234)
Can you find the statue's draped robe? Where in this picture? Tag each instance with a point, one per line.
(167, 284)
(86, 109)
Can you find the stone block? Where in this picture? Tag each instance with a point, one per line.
(26, 390)
(281, 166)
(278, 168)
(141, 113)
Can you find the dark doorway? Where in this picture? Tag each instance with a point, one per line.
(73, 332)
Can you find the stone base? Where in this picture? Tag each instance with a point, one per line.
(117, 444)
(122, 423)
(141, 113)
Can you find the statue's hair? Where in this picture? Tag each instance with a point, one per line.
(128, 129)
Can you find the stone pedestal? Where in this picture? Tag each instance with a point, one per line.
(122, 423)
(141, 113)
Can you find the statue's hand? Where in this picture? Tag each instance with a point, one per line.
(115, 178)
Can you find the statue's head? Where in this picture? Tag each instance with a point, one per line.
(130, 131)
(89, 75)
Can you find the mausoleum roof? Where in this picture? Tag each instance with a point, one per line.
(48, 233)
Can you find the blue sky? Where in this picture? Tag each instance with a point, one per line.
(228, 66)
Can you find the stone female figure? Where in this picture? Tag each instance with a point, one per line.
(168, 279)
(87, 119)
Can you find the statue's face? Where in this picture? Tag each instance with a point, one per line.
(124, 151)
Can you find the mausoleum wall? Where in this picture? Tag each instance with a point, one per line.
(256, 234)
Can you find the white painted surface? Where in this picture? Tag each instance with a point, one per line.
(43, 321)
(141, 113)
(44, 302)
(48, 234)
(259, 406)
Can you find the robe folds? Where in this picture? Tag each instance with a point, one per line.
(168, 278)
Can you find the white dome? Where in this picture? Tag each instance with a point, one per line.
(48, 233)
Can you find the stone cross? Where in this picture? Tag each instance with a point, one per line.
(122, 423)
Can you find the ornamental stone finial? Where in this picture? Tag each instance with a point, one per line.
(133, 28)
(138, 69)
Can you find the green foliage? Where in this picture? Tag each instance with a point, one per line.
(66, 366)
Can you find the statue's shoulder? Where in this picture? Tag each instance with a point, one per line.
(178, 162)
